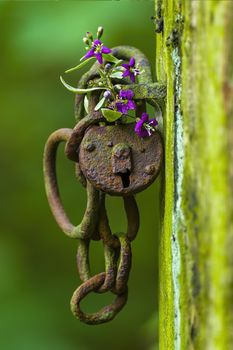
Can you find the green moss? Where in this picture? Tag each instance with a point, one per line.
(195, 269)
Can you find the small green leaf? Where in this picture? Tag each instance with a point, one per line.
(110, 58)
(86, 104)
(117, 75)
(83, 63)
(118, 63)
(110, 115)
(100, 104)
(102, 74)
(81, 91)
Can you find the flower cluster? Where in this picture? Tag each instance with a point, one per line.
(115, 100)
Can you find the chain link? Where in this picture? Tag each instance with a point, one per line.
(117, 254)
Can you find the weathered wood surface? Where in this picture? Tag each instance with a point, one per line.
(194, 56)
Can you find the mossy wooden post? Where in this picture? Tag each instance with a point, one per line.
(194, 56)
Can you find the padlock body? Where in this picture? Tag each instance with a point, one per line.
(117, 161)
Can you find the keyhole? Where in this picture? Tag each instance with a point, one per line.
(125, 178)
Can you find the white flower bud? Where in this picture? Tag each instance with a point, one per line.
(100, 31)
(86, 41)
(89, 36)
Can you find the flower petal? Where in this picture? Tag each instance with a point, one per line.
(132, 62)
(90, 53)
(99, 57)
(123, 94)
(144, 117)
(126, 66)
(97, 42)
(105, 49)
(128, 94)
(140, 131)
(124, 109)
(131, 104)
(138, 126)
(126, 73)
(132, 77)
(119, 106)
(153, 122)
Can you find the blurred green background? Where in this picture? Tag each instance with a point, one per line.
(38, 41)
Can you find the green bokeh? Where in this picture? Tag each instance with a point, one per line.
(38, 41)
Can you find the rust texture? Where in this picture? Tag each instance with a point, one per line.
(128, 167)
(110, 159)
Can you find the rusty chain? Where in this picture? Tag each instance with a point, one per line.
(95, 224)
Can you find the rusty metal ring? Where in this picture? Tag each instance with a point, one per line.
(110, 256)
(72, 152)
(104, 229)
(124, 266)
(89, 222)
(82, 259)
(133, 220)
(107, 313)
(78, 132)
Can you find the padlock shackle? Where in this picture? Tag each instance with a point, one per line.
(89, 222)
(72, 146)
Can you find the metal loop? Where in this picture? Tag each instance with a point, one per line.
(132, 213)
(78, 133)
(110, 256)
(89, 222)
(107, 313)
(105, 231)
(124, 266)
(82, 259)
(133, 220)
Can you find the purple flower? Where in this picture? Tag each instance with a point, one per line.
(125, 101)
(130, 70)
(145, 126)
(128, 94)
(97, 50)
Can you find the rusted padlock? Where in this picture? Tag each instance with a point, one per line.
(116, 161)
(110, 159)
